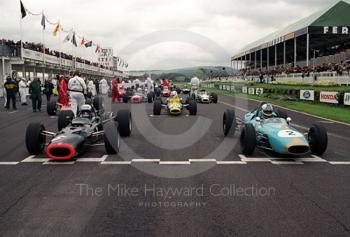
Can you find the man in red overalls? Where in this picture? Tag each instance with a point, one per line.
(115, 90)
(63, 91)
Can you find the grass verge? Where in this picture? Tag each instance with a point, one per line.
(329, 111)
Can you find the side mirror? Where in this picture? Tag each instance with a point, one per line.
(289, 119)
(258, 119)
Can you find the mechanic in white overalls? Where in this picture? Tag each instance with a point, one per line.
(194, 86)
(150, 85)
(104, 87)
(23, 91)
(76, 88)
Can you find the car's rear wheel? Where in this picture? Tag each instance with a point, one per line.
(98, 104)
(35, 141)
(282, 113)
(125, 122)
(214, 98)
(64, 119)
(318, 139)
(51, 107)
(248, 139)
(125, 99)
(229, 123)
(192, 107)
(150, 97)
(157, 107)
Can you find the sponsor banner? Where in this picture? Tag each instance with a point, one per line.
(259, 91)
(346, 98)
(251, 91)
(244, 90)
(329, 97)
(307, 95)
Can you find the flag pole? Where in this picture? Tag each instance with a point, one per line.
(21, 32)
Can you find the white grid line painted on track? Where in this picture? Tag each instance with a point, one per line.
(243, 161)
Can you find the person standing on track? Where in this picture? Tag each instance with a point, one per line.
(23, 90)
(35, 94)
(194, 86)
(48, 89)
(76, 88)
(11, 90)
(63, 91)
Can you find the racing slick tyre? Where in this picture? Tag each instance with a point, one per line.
(282, 114)
(157, 107)
(229, 123)
(98, 104)
(124, 122)
(214, 98)
(192, 107)
(248, 139)
(157, 91)
(318, 139)
(51, 107)
(150, 97)
(111, 138)
(125, 99)
(64, 118)
(35, 141)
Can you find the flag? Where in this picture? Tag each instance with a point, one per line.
(23, 10)
(43, 21)
(88, 44)
(74, 41)
(97, 49)
(68, 37)
(56, 29)
(83, 41)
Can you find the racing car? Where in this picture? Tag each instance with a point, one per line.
(204, 97)
(138, 97)
(174, 106)
(88, 128)
(275, 134)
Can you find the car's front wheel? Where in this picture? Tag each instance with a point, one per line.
(248, 139)
(318, 139)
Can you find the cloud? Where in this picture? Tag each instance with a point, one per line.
(231, 24)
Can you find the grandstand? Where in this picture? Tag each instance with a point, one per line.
(322, 38)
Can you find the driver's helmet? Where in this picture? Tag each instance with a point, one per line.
(86, 112)
(267, 110)
(173, 94)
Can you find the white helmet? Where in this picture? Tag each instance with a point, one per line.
(267, 110)
(173, 94)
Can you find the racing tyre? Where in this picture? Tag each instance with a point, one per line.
(125, 122)
(157, 107)
(229, 123)
(64, 118)
(125, 99)
(192, 107)
(150, 97)
(282, 114)
(111, 138)
(51, 107)
(318, 139)
(35, 141)
(98, 104)
(157, 91)
(248, 139)
(214, 98)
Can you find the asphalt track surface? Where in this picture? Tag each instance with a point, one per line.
(163, 185)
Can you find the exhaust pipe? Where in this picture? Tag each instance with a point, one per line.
(59, 151)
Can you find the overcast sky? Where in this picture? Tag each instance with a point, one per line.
(198, 32)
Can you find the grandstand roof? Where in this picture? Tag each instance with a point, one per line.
(336, 15)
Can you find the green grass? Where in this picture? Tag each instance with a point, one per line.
(335, 112)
